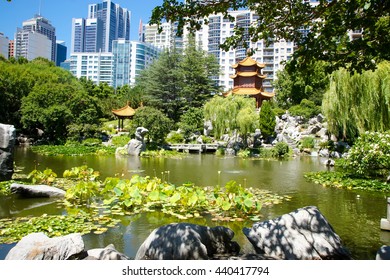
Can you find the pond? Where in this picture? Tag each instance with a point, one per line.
(354, 215)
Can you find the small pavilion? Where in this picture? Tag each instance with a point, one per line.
(123, 113)
(248, 80)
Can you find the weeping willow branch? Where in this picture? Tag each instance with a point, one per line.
(358, 103)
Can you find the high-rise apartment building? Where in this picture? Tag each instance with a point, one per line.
(41, 25)
(211, 35)
(165, 39)
(219, 29)
(105, 23)
(141, 56)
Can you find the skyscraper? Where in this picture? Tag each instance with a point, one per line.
(31, 44)
(41, 25)
(129, 59)
(105, 23)
(77, 41)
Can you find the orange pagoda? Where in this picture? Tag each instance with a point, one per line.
(123, 113)
(248, 80)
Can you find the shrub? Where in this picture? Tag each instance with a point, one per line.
(306, 109)
(92, 142)
(243, 153)
(281, 149)
(278, 111)
(267, 119)
(175, 138)
(307, 142)
(370, 155)
(120, 141)
(207, 139)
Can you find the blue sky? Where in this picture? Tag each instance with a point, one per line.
(61, 12)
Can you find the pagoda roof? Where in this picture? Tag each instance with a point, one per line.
(123, 112)
(248, 74)
(248, 61)
(249, 91)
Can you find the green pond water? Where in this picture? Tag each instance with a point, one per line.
(354, 215)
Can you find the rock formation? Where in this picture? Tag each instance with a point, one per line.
(304, 234)
(184, 241)
(34, 191)
(137, 145)
(7, 143)
(37, 246)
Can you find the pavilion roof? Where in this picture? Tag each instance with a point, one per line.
(249, 91)
(123, 112)
(248, 74)
(248, 61)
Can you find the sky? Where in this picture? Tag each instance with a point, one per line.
(61, 12)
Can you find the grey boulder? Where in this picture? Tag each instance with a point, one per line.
(34, 191)
(304, 234)
(107, 253)
(185, 241)
(383, 253)
(38, 246)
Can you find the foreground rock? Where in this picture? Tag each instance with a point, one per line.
(108, 253)
(37, 246)
(383, 253)
(304, 234)
(184, 241)
(7, 143)
(35, 191)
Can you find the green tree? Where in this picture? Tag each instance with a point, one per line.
(327, 24)
(192, 121)
(153, 120)
(267, 119)
(198, 67)
(162, 82)
(15, 83)
(232, 115)
(309, 83)
(358, 103)
(180, 80)
(133, 95)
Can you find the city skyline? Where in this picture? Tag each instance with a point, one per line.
(60, 14)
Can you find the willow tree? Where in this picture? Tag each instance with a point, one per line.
(358, 103)
(232, 115)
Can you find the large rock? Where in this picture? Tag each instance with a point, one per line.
(184, 241)
(37, 246)
(7, 143)
(137, 145)
(383, 253)
(107, 253)
(35, 191)
(302, 234)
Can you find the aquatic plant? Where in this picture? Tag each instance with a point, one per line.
(140, 194)
(13, 229)
(347, 181)
(46, 177)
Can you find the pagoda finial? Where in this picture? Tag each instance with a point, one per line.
(249, 52)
